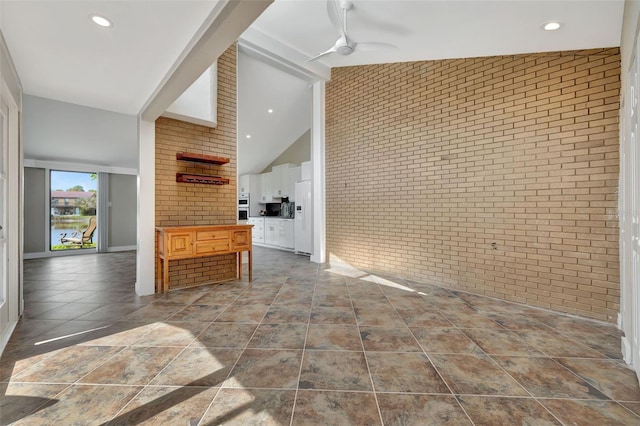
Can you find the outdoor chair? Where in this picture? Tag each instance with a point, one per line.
(81, 239)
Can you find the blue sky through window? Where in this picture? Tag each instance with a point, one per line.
(65, 180)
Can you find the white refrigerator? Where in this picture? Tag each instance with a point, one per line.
(302, 217)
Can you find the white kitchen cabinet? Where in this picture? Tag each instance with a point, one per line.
(266, 182)
(279, 232)
(271, 231)
(286, 237)
(281, 180)
(249, 184)
(257, 233)
(244, 183)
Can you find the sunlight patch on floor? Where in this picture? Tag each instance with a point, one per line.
(340, 267)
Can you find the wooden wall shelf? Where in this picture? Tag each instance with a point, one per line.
(209, 180)
(201, 158)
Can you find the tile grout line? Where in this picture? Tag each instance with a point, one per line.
(304, 347)
(364, 353)
(204, 414)
(429, 358)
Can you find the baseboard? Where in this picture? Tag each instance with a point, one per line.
(619, 321)
(6, 335)
(43, 254)
(626, 350)
(122, 248)
(60, 253)
(34, 255)
(272, 247)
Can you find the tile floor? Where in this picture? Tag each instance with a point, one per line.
(302, 344)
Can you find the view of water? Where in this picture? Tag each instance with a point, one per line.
(56, 234)
(57, 231)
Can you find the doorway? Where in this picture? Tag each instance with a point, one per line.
(72, 217)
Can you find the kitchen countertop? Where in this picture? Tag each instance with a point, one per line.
(271, 217)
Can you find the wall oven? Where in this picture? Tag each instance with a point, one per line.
(243, 206)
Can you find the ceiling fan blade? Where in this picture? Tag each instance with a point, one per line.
(326, 52)
(334, 16)
(368, 46)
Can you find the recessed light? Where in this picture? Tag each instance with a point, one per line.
(551, 26)
(270, 111)
(248, 136)
(101, 21)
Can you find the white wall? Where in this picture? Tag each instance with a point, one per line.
(64, 132)
(198, 104)
(297, 153)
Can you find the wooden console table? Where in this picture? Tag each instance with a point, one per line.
(186, 242)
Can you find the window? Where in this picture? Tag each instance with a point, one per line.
(73, 204)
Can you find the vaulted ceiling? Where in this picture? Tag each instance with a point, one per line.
(60, 54)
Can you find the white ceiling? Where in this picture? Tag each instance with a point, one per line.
(60, 54)
(440, 29)
(262, 87)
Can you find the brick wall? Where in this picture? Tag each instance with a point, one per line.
(179, 204)
(429, 163)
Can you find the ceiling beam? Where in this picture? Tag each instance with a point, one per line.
(223, 26)
(283, 57)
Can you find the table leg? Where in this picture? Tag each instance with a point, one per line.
(165, 276)
(239, 256)
(159, 274)
(250, 266)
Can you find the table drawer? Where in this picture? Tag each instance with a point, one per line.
(212, 235)
(212, 247)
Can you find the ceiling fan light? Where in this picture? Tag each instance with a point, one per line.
(344, 50)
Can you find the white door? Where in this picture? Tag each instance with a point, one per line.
(629, 206)
(634, 239)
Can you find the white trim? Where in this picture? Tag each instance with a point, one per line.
(102, 212)
(190, 119)
(319, 247)
(146, 210)
(13, 214)
(121, 248)
(78, 167)
(16, 96)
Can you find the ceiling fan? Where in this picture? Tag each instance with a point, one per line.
(345, 45)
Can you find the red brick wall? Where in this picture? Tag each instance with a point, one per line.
(429, 163)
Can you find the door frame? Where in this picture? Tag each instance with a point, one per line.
(14, 211)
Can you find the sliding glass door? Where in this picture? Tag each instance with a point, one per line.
(73, 202)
